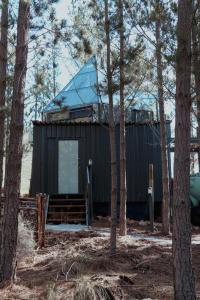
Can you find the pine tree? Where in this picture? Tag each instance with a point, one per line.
(196, 65)
(11, 207)
(163, 133)
(3, 76)
(184, 282)
(113, 235)
(123, 187)
(157, 28)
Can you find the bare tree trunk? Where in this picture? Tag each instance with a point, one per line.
(123, 190)
(163, 134)
(7, 134)
(113, 235)
(196, 70)
(54, 70)
(3, 75)
(10, 218)
(184, 282)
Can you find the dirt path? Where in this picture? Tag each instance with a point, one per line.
(74, 264)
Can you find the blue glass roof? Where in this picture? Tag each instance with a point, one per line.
(80, 91)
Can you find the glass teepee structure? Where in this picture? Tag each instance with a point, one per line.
(79, 92)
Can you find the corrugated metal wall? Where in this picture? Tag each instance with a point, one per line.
(142, 148)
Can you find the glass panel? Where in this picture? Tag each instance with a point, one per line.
(68, 167)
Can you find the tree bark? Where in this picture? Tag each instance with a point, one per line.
(196, 70)
(123, 190)
(113, 234)
(10, 218)
(7, 134)
(184, 282)
(3, 75)
(163, 134)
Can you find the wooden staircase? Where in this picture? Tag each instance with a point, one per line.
(67, 209)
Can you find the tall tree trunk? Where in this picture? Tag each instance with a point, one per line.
(184, 282)
(7, 134)
(10, 218)
(123, 191)
(3, 75)
(113, 235)
(36, 106)
(163, 133)
(196, 70)
(54, 70)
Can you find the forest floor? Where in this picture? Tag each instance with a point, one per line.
(77, 265)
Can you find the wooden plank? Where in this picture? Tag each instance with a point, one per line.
(58, 200)
(27, 208)
(67, 196)
(68, 220)
(65, 213)
(27, 199)
(65, 206)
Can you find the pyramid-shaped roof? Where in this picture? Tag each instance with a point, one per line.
(80, 91)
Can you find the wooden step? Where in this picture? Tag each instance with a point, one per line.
(65, 218)
(64, 221)
(65, 200)
(64, 213)
(67, 196)
(65, 206)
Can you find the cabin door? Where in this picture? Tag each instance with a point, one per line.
(68, 167)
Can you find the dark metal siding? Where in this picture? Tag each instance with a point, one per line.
(143, 147)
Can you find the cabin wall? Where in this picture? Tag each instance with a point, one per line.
(143, 148)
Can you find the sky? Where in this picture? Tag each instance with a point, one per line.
(67, 66)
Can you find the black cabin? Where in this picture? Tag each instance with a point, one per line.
(62, 152)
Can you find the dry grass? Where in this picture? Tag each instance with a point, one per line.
(87, 290)
(83, 289)
(26, 243)
(56, 293)
(78, 266)
(75, 266)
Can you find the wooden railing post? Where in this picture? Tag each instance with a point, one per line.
(151, 197)
(41, 213)
(89, 203)
(91, 194)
